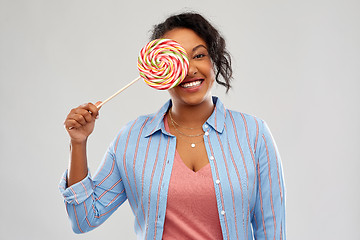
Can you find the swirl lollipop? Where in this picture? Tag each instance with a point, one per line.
(162, 63)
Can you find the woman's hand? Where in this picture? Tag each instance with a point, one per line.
(80, 122)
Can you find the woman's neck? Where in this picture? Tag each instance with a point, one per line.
(192, 115)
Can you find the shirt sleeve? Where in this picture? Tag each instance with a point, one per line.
(269, 213)
(78, 192)
(91, 201)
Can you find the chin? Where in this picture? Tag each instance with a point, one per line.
(196, 99)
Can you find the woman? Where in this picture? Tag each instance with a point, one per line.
(194, 169)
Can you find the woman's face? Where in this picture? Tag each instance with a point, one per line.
(195, 88)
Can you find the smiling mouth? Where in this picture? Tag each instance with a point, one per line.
(191, 84)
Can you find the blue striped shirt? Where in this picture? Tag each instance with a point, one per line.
(245, 166)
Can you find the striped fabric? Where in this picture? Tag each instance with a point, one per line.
(245, 166)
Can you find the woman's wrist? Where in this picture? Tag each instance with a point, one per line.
(78, 143)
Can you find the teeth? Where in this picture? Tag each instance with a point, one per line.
(191, 84)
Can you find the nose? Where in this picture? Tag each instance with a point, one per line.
(192, 69)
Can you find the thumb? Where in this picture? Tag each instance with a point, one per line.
(98, 103)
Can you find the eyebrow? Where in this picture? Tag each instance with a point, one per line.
(198, 46)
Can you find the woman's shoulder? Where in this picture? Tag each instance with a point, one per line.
(246, 120)
(145, 124)
(139, 122)
(132, 131)
(142, 125)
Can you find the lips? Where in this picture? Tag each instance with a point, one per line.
(191, 83)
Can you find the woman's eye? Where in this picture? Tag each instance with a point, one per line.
(199, 55)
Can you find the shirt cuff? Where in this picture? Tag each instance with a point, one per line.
(78, 192)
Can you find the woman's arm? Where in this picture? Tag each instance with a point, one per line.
(269, 214)
(89, 201)
(79, 124)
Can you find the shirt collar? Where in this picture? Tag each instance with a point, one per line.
(216, 120)
(156, 122)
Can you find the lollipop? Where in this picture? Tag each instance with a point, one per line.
(162, 63)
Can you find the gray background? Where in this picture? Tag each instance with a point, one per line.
(297, 65)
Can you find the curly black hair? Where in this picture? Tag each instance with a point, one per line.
(215, 42)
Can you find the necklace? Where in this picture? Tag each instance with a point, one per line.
(176, 122)
(193, 144)
(187, 135)
(176, 129)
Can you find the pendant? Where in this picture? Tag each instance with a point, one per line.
(193, 145)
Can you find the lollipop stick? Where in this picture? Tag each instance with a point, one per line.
(112, 96)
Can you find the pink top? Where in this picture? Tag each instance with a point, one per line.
(191, 211)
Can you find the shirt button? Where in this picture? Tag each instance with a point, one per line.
(206, 133)
(211, 158)
(217, 181)
(206, 126)
(222, 212)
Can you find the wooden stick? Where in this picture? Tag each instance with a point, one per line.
(114, 95)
